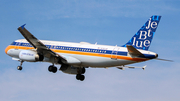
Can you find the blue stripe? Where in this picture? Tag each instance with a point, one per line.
(75, 49)
(82, 49)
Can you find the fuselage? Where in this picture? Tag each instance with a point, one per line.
(90, 55)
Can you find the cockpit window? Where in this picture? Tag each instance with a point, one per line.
(13, 43)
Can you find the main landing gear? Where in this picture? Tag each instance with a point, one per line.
(80, 77)
(52, 68)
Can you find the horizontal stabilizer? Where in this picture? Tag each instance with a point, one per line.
(134, 52)
(122, 67)
(164, 60)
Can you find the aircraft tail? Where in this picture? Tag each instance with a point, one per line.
(143, 38)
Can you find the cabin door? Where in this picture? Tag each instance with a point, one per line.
(114, 52)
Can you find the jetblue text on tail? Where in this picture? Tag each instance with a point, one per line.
(142, 39)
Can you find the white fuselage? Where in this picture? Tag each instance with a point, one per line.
(89, 55)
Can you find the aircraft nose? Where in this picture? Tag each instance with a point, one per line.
(6, 50)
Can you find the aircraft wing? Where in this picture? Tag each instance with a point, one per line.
(37, 44)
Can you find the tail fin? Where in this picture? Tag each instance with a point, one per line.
(142, 39)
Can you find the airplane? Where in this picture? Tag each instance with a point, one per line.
(74, 58)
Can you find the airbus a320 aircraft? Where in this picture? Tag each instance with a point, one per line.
(74, 58)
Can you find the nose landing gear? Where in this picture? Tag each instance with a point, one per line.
(20, 67)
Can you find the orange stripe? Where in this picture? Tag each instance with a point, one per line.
(81, 53)
(100, 55)
(17, 47)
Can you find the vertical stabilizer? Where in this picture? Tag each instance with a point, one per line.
(143, 38)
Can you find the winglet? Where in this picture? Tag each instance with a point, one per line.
(23, 26)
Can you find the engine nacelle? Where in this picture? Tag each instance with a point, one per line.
(71, 69)
(31, 56)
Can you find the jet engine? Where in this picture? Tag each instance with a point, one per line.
(31, 56)
(71, 69)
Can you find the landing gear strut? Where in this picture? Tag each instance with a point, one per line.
(52, 68)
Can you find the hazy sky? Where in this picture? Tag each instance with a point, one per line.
(109, 22)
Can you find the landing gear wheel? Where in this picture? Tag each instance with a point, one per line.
(19, 67)
(52, 69)
(80, 77)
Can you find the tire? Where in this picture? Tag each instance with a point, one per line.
(54, 70)
(83, 70)
(82, 77)
(19, 67)
(50, 68)
(78, 76)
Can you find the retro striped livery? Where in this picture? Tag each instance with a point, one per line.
(75, 57)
